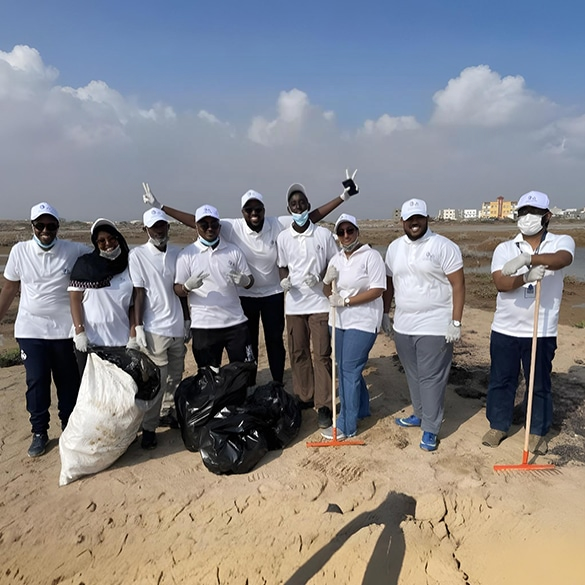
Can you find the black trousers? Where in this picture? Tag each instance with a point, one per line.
(208, 345)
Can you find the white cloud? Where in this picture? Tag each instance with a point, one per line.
(386, 125)
(481, 97)
(88, 149)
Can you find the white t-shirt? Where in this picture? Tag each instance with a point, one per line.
(216, 303)
(515, 309)
(43, 311)
(260, 251)
(303, 254)
(154, 271)
(105, 311)
(422, 291)
(362, 271)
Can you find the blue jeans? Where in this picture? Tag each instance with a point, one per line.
(41, 358)
(352, 348)
(507, 355)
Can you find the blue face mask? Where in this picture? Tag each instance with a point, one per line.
(301, 218)
(44, 246)
(206, 243)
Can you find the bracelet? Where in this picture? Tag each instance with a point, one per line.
(80, 326)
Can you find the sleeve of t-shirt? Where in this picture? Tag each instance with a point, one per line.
(136, 272)
(227, 229)
(451, 258)
(284, 221)
(376, 270)
(12, 269)
(281, 259)
(501, 256)
(387, 263)
(566, 243)
(241, 264)
(183, 271)
(332, 248)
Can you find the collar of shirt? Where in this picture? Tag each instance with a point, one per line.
(203, 248)
(308, 232)
(410, 242)
(40, 251)
(153, 249)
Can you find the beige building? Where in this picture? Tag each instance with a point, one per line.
(498, 209)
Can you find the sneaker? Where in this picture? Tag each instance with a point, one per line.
(341, 436)
(169, 420)
(409, 421)
(493, 438)
(149, 441)
(38, 445)
(537, 444)
(324, 417)
(428, 441)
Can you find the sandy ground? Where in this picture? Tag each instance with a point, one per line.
(382, 513)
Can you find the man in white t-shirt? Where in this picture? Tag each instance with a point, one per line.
(162, 322)
(425, 276)
(209, 272)
(304, 250)
(534, 255)
(40, 268)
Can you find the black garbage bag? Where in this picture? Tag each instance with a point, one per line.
(199, 397)
(232, 442)
(143, 370)
(280, 412)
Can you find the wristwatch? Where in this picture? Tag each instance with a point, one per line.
(456, 323)
(346, 302)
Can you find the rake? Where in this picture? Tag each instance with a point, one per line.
(525, 466)
(334, 442)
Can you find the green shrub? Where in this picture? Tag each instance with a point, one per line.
(10, 357)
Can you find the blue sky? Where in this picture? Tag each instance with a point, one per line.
(456, 102)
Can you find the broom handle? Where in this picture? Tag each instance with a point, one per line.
(532, 368)
(333, 368)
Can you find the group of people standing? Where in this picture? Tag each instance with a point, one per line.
(241, 271)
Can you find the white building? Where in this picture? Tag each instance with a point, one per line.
(447, 214)
(469, 214)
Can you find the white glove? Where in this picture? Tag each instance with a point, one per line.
(453, 333)
(187, 330)
(132, 344)
(336, 300)
(349, 186)
(195, 281)
(311, 280)
(238, 278)
(331, 274)
(149, 197)
(512, 266)
(286, 284)
(141, 337)
(534, 274)
(81, 342)
(387, 325)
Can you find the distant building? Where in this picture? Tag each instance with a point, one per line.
(469, 214)
(498, 209)
(447, 214)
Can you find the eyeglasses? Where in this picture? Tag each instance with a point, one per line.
(50, 227)
(250, 210)
(346, 232)
(528, 209)
(204, 225)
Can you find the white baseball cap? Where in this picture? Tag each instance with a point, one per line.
(152, 215)
(345, 217)
(293, 189)
(102, 221)
(206, 211)
(251, 194)
(534, 199)
(413, 207)
(42, 209)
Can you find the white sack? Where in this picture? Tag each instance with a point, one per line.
(104, 422)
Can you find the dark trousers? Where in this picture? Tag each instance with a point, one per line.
(271, 310)
(208, 345)
(43, 358)
(507, 355)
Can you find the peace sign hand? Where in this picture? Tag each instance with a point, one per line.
(149, 197)
(349, 186)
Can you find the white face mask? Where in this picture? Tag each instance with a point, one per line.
(159, 243)
(111, 254)
(530, 224)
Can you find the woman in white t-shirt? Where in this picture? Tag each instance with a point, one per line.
(360, 280)
(100, 292)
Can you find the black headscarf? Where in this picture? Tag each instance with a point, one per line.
(95, 271)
